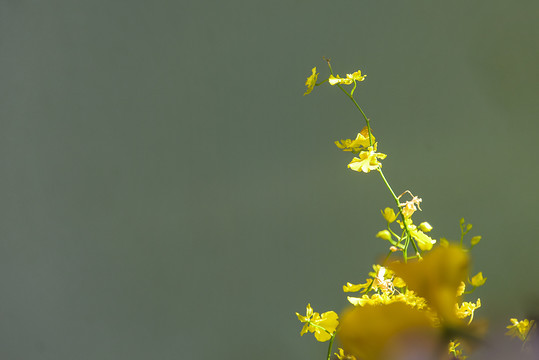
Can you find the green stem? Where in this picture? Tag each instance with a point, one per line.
(331, 345)
(356, 104)
(320, 83)
(406, 229)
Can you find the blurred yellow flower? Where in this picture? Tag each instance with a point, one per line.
(456, 352)
(461, 288)
(372, 331)
(467, 309)
(437, 278)
(520, 329)
(323, 326)
(342, 356)
(311, 81)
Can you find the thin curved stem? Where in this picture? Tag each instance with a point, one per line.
(405, 225)
(330, 345)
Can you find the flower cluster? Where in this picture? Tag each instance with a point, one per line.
(418, 291)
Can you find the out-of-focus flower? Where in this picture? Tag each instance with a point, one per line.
(342, 356)
(467, 309)
(311, 81)
(461, 289)
(457, 353)
(520, 329)
(323, 326)
(437, 278)
(372, 331)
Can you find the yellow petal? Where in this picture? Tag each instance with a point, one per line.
(478, 280)
(437, 278)
(425, 226)
(349, 287)
(389, 215)
(369, 331)
(311, 81)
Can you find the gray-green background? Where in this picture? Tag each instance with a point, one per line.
(168, 193)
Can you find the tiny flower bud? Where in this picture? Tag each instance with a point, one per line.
(384, 234)
(425, 226)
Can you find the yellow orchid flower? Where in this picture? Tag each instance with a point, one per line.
(467, 309)
(361, 141)
(520, 329)
(367, 161)
(424, 241)
(350, 78)
(311, 81)
(456, 352)
(323, 326)
(389, 214)
(342, 356)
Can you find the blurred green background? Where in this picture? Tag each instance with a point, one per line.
(168, 193)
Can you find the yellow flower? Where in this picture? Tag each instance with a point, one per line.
(521, 328)
(367, 161)
(361, 141)
(455, 352)
(425, 226)
(461, 288)
(311, 81)
(437, 278)
(424, 241)
(384, 235)
(389, 214)
(342, 356)
(478, 280)
(350, 78)
(467, 309)
(409, 207)
(373, 332)
(323, 326)
(349, 287)
(409, 298)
